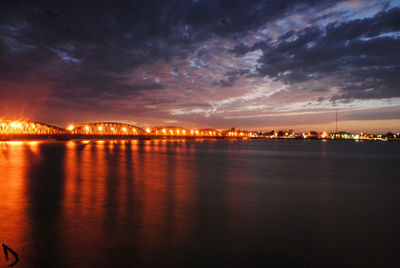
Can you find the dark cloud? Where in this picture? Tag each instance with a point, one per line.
(243, 49)
(381, 23)
(363, 54)
(230, 78)
(94, 37)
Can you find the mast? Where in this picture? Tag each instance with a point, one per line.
(336, 125)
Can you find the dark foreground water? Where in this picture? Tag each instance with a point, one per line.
(201, 203)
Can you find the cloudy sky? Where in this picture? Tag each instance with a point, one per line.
(249, 64)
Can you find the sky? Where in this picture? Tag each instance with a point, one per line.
(257, 65)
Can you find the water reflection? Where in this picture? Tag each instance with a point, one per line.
(125, 195)
(44, 193)
(159, 203)
(13, 206)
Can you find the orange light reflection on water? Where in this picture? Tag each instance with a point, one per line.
(110, 183)
(110, 191)
(14, 221)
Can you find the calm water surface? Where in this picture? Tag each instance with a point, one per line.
(200, 203)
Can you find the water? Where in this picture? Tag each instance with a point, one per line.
(254, 203)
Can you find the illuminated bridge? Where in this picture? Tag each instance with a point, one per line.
(237, 134)
(10, 129)
(25, 128)
(209, 132)
(175, 131)
(105, 129)
(170, 131)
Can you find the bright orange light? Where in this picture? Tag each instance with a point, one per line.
(100, 128)
(112, 129)
(241, 133)
(191, 132)
(148, 130)
(14, 142)
(13, 124)
(124, 129)
(71, 127)
(210, 133)
(19, 125)
(197, 132)
(163, 130)
(87, 128)
(177, 131)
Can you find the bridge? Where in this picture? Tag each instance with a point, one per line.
(169, 131)
(209, 132)
(238, 133)
(29, 129)
(105, 129)
(175, 131)
(10, 129)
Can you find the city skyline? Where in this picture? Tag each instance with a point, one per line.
(260, 65)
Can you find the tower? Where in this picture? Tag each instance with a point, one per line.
(336, 125)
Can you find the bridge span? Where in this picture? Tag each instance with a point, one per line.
(10, 129)
(105, 129)
(175, 131)
(14, 129)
